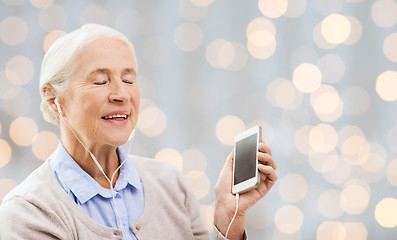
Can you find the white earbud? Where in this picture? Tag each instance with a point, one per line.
(58, 107)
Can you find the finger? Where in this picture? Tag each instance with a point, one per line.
(262, 147)
(267, 159)
(268, 171)
(266, 183)
(229, 161)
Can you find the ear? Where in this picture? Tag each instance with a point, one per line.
(49, 93)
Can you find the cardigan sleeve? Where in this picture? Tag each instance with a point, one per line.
(19, 219)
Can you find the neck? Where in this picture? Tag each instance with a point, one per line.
(106, 156)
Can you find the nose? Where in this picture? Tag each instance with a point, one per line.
(118, 92)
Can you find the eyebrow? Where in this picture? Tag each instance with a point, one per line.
(128, 70)
(107, 71)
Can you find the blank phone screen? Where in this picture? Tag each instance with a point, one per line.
(245, 159)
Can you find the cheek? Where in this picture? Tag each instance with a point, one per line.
(136, 97)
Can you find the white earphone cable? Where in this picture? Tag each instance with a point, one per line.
(99, 167)
(234, 216)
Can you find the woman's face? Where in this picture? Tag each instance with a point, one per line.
(101, 102)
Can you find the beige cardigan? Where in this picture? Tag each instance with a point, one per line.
(40, 209)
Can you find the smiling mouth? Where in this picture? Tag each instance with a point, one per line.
(117, 117)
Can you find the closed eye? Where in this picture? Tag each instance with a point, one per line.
(129, 81)
(100, 83)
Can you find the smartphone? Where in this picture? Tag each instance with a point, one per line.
(245, 163)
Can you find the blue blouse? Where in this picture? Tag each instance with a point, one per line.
(96, 201)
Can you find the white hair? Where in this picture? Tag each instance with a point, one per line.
(58, 63)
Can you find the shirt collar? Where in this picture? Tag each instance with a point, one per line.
(74, 179)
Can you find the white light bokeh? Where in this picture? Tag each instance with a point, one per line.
(348, 131)
(53, 18)
(328, 204)
(326, 103)
(220, 53)
(94, 14)
(42, 3)
(319, 39)
(170, 155)
(261, 44)
(14, 73)
(207, 215)
(356, 31)
(293, 187)
(16, 102)
(295, 8)
(356, 150)
(23, 130)
(355, 231)
(188, 36)
(392, 172)
(51, 37)
(13, 30)
(307, 77)
(386, 86)
(390, 47)
(5, 152)
(201, 3)
(194, 160)
(386, 212)
(240, 57)
(377, 159)
(7, 89)
(354, 199)
(284, 236)
(323, 162)
(191, 12)
(152, 121)
(227, 128)
(323, 138)
(383, 13)
(44, 144)
(260, 24)
(339, 174)
(6, 185)
(283, 94)
(331, 230)
(267, 130)
(273, 8)
(302, 139)
(199, 182)
(335, 28)
(288, 219)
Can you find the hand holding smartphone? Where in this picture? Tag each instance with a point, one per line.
(245, 164)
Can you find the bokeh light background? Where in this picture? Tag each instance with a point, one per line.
(319, 76)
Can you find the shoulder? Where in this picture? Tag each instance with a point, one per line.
(153, 166)
(33, 184)
(40, 191)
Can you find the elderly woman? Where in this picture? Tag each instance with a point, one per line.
(88, 188)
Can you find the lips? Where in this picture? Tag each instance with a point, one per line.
(119, 117)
